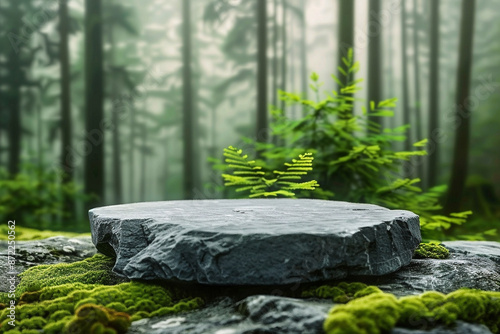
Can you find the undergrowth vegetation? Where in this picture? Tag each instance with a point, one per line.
(85, 297)
(367, 310)
(355, 159)
(37, 199)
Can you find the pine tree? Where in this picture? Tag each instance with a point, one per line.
(462, 112)
(94, 98)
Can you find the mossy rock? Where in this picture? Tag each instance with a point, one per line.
(94, 270)
(96, 319)
(341, 293)
(379, 312)
(82, 297)
(366, 309)
(25, 233)
(431, 251)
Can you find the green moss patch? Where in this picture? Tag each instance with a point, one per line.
(379, 312)
(341, 293)
(25, 233)
(91, 318)
(81, 297)
(432, 251)
(94, 270)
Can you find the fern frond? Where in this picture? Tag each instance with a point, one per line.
(400, 184)
(246, 176)
(274, 194)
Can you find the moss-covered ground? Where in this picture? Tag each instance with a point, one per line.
(25, 233)
(368, 310)
(85, 297)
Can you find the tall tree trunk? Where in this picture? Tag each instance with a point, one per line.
(389, 56)
(144, 136)
(213, 139)
(404, 64)
(303, 53)
(275, 53)
(131, 155)
(284, 44)
(345, 37)
(276, 63)
(14, 99)
(462, 112)
(291, 52)
(374, 61)
(94, 160)
(213, 123)
(188, 111)
(418, 111)
(345, 29)
(39, 139)
(116, 147)
(67, 163)
(197, 152)
(14, 105)
(433, 159)
(262, 121)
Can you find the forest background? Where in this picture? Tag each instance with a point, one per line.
(109, 102)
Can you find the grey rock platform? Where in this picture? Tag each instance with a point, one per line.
(254, 242)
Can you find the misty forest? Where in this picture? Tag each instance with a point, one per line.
(386, 102)
(249, 166)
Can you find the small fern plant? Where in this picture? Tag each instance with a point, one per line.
(247, 176)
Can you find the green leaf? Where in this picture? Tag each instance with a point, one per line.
(341, 70)
(421, 143)
(334, 77)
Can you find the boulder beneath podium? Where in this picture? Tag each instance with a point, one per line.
(254, 241)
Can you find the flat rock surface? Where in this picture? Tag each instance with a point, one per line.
(254, 242)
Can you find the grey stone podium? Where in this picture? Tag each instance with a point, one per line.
(254, 241)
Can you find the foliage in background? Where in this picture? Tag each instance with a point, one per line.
(351, 163)
(35, 198)
(249, 177)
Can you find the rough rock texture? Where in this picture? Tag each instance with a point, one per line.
(47, 251)
(460, 328)
(254, 242)
(262, 314)
(472, 264)
(254, 314)
(484, 249)
(274, 314)
(271, 314)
